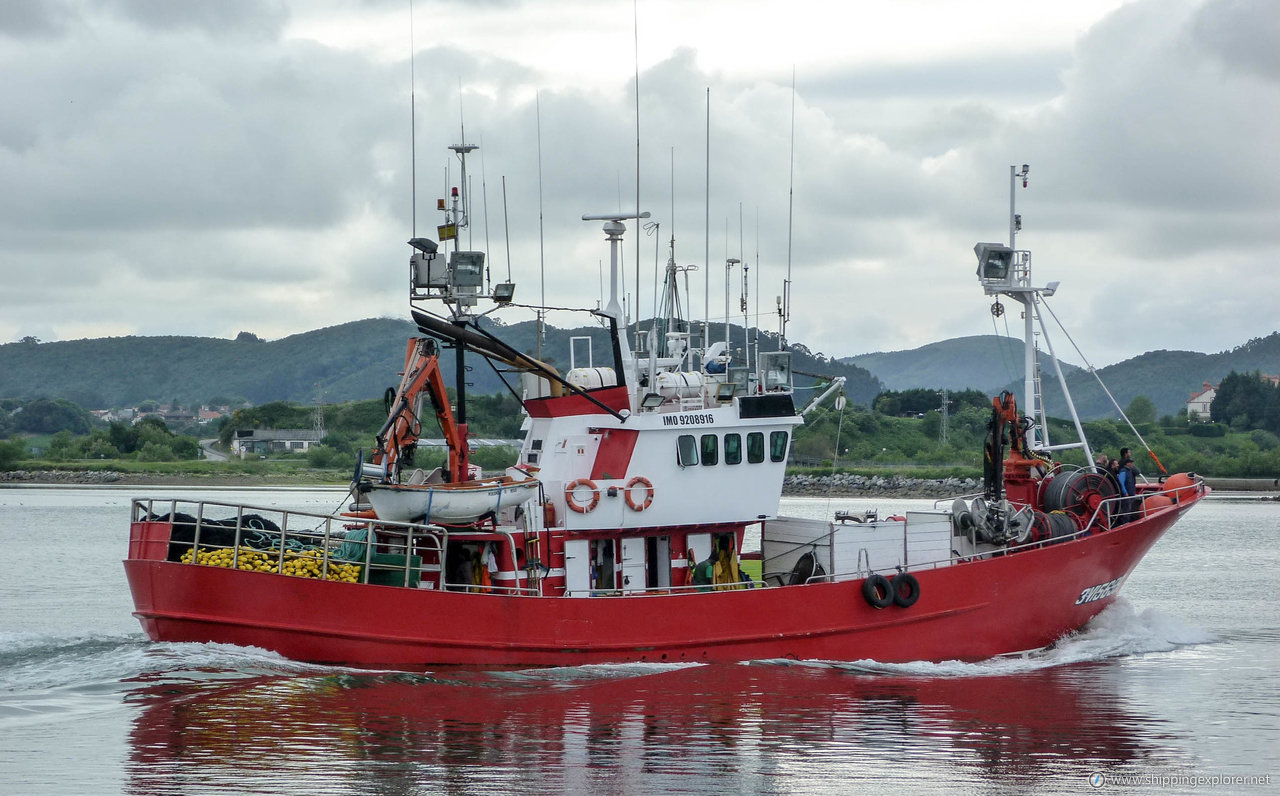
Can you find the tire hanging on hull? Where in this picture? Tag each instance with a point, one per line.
(877, 591)
(906, 589)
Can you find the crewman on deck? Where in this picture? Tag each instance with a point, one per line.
(727, 575)
(702, 574)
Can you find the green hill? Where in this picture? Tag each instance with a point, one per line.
(348, 362)
(981, 362)
(991, 363)
(354, 360)
(1168, 378)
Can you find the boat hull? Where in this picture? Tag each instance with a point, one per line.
(966, 611)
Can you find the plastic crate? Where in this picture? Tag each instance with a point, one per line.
(387, 569)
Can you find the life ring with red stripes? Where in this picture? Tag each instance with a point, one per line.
(570, 495)
(640, 481)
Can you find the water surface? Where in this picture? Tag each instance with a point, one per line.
(1178, 678)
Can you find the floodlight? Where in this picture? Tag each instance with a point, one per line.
(466, 269)
(424, 245)
(995, 262)
(504, 292)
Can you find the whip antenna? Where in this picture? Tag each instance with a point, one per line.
(706, 239)
(635, 29)
(542, 261)
(506, 227)
(413, 134)
(791, 195)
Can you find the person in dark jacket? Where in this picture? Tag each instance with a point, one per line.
(1127, 477)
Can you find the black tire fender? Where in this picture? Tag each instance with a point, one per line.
(877, 591)
(906, 589)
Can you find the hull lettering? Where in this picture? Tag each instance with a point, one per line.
(1095, 593)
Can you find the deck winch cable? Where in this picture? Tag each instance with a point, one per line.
(1114, 403)
(1000, 346)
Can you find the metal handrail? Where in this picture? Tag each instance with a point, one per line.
(1199, 487)
(145, 509)
(657, 591)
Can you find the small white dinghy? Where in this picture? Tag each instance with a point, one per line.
(433, 500)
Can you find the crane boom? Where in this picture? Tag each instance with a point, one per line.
(400, 433)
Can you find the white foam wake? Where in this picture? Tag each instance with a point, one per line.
(1116, 632)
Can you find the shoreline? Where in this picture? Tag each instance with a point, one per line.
(17, 478)
(843, 485)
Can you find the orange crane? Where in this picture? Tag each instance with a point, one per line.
(398, 437)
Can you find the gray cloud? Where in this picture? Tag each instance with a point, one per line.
(35, 18)
(1243, 34)
(222, 175)
(263, 18)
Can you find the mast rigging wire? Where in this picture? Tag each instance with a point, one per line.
(1092, 370)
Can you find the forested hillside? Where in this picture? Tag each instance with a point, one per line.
(981, 362)
(1166, 377)
(353, 361)
(991, 363)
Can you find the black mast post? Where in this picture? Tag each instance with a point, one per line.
(460, 367)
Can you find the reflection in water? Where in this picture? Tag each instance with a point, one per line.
(758, 728)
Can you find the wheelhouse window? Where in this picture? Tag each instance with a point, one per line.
(686, 450)
(733, 449)
(710, 449)
(778, 446)
(755, 447)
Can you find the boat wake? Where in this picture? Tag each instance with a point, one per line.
(34, 662)
(589, 673)
(49, 678)
(1119, 631)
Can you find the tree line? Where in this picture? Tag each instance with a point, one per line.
(1247, 402)
(899, 429)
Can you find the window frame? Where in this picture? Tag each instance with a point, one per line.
(774, 454)
(709, 450)
(681, 450)
(755, 447)
(737, 454)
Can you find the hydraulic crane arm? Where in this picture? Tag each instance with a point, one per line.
(400, 433)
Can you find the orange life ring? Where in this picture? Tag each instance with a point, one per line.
(639, 480)
(572, 502)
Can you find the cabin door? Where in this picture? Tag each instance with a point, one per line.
(577, 567)
(658, 562)
(633, 572)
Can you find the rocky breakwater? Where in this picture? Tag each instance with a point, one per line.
(61, 477)
(850, 485)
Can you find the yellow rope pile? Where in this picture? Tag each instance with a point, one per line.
(307, 564)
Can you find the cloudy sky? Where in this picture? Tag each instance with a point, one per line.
(206, 168)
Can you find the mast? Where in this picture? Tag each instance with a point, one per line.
(1033, 401)
(1006, 271)
(458, 219)
(613, 230)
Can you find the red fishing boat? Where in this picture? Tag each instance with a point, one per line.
(616, 536)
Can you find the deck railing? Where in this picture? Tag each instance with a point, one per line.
(1109, 508)
(284, 536)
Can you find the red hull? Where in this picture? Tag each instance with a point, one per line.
(968, 611)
